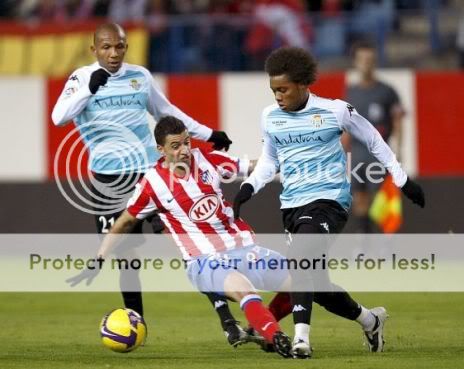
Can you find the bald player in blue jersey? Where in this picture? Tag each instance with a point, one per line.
(301, 139)
(108, 102)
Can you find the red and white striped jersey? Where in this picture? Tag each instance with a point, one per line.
(193, 208)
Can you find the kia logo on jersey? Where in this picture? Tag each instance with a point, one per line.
(204, 208)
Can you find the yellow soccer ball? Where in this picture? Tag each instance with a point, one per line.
(123, 330)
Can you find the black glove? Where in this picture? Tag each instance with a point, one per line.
(245, 193)
(97, 79)
(414, 192)
(220, 140)
(87, 274)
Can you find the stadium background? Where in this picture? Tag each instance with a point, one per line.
(203, 56)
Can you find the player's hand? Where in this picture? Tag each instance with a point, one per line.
(245, 193)
(220, 140)
(87, 274)
(97, 79)
(414, 192)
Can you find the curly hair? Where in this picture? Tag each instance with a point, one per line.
(297, 63)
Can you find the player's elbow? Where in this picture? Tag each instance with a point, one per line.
(58, 117)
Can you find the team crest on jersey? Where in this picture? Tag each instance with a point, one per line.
(204, 208)
(317, 121)
(206, 177)
(135, 84)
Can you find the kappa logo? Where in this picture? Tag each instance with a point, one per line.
(218, 304)
(297, 308)
(204, 208)
(325, 226)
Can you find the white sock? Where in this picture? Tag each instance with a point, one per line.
(366, 319)
(302, 332)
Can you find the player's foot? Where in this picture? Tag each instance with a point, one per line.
(374, 338)
(301, 349)
(282, 344)
(234, 333)
(255, 337)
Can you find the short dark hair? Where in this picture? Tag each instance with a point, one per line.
(363, 44)
(297, 63)
(168, 125)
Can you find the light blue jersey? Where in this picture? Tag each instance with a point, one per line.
(113, 123)
(305, 145)
(311, 158)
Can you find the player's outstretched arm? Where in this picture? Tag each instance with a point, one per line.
(159, 106)
(124, 224)
(364, 131)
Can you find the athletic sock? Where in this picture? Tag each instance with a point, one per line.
(302, 303)
(221, 306)
(133, 300)
(259, 317)
(280, 306)
(302, 332)
(366, 319)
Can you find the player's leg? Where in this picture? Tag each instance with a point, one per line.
(302, 295)
(238, 288)
(108, 204)
(372, 321)
(232, 330)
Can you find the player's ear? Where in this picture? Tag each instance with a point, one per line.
(93, 49)
(160, 149)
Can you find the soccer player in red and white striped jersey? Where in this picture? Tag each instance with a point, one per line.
(184, 188)
(189, 200)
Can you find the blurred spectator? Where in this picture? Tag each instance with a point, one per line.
(373, 19)
(330, 28)
(8, 8)
(157, 23)
(101, 8)
(56, 11)
(121, 11)
(282, 18)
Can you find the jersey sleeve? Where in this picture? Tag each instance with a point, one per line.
(159, 106)
(227, 166)
(268, 162)
(140, 204)
(73, 98)
(365, 132)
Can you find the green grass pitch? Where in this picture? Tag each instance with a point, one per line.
(60, 330)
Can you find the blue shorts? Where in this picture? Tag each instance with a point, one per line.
(261, 266)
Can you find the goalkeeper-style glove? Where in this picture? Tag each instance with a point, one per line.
(97, 79)
(414, 192)
(220, 140)
(245, 193)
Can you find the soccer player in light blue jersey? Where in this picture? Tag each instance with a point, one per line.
(108, 102)
(301, 139)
